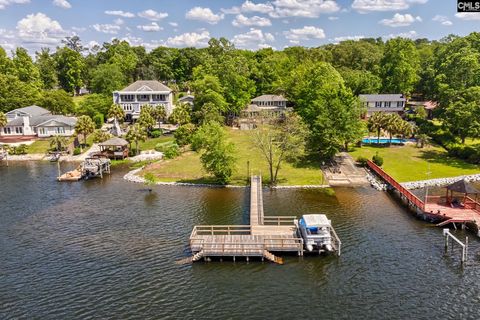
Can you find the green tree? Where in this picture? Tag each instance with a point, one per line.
(360, 81)
(146, 120)
(25, 69)
(58, 143)
(159, 114)
(135, 134)
(3, 119)
(284, 140)
(217, 155)
(400, 66)
(377, 122)
(46, 66)
(393, 123)
(70, 67)
(74, 43)
(15, 93)
(462, 119)
(184, 134)
(57, 102)
(107, 78)
(100, 136)
(94, 104)
(84, 126)
(181, 115)
(116, 111)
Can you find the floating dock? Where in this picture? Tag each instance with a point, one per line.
(437, 209)
(264, 235)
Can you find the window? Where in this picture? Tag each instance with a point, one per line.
(387, 104)
(143, 97)
(400, 104)
(159, 97)
(128, 97)
(59, 130)
(378, 104)
(7, 130)
(127, 107)
(42, 131)
(18, 130)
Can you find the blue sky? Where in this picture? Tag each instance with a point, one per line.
(249, 24)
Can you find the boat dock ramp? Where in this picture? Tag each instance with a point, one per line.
(264, 236)
(89, 168)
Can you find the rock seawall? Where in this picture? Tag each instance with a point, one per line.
(440, 182)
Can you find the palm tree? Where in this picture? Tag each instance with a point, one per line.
(58, 143)
(376, 123)
(159, 114)
(146, 120)
(392, 124)
(422, 140)
(181, 114)
(85, 126)
(116, 112)
(406, 129)
(136, 133)
(3, 119)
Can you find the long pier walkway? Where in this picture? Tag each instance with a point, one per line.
(264, 234)
(435, 208)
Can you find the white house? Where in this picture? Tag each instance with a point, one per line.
(35, 121)
(389, 103)
(188, 99)
(270, 101)
(143, 92)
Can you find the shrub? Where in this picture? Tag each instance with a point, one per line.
(21, 149)
(184, 134)
(76, 151)
(378, 160)
(162, 146)
(99, 120)
(362, 161)
(156, 133)
(171, 152)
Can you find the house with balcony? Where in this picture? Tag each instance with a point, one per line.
(34, 121)
(143, 92)
(262, 109)
(388, 103)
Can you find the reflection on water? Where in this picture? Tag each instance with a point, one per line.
(107, 249)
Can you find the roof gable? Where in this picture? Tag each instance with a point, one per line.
(146, 86)
(31, 111)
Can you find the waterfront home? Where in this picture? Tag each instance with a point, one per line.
(143, 92)
(388, 103)
(188, 99)
(265, 107)
(34, 121)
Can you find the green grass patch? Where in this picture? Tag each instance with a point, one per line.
(188, 168)
(150, 144)
(409, 163)
(39, 146)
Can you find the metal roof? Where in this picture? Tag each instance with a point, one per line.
(382, 97)
(32, 111)
(463, 186)
(146, 86)
(316, 220)
(269, 97)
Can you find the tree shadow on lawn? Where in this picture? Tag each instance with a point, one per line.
(436, 156)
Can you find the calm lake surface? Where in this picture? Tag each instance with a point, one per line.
(104, 249)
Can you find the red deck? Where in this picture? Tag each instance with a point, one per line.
(435, 206)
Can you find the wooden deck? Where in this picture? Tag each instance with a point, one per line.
(434, 207)
(258, 239)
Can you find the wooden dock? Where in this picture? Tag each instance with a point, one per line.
(263, 236)
(434, 208)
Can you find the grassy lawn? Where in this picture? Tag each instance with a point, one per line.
(150, 144)
(408, 163)
(188, 168)
(39, 146)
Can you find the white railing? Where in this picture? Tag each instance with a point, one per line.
(279, 220)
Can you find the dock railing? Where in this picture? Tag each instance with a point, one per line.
(337, 244)
(279, 220)
(203, 230)
(404, 191)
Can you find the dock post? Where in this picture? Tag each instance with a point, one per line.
(446, 239)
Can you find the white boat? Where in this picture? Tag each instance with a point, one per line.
(318, 234)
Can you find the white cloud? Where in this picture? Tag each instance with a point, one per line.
(253, 39)
(173, 24)
(204, 14)
(305, 33)
(345, 38)
(118, 21)
(333, 18)
(303, 8)
(124, 14)
(468, 15)
(39, 28)
(79, 29)
(6, 3)
(443, 20)
(153, 27)
(255, 21)
(152, 15)
(62, 4)
(400, 20)
(107, 28)
(249, 6)
(191, 39)
(410, 35)
(364, 6)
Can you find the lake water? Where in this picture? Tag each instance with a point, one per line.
(104, 249)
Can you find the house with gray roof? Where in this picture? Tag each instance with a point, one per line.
(388, 103)
(34, 121)
(264, 109)
(143, 92)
